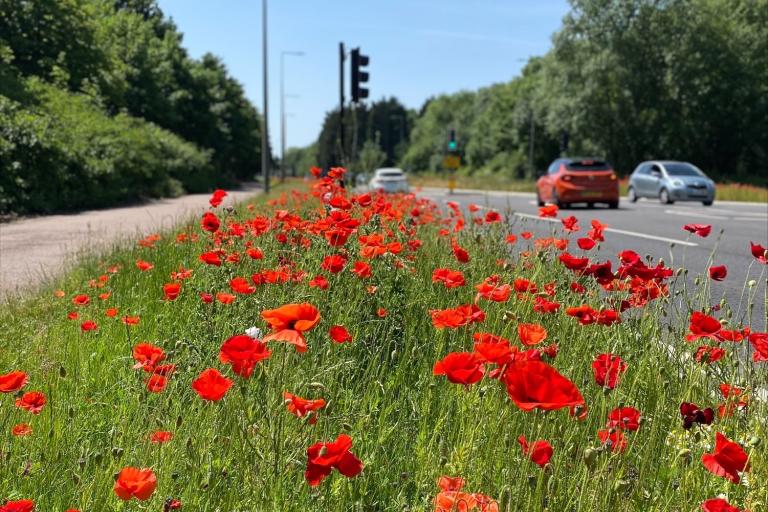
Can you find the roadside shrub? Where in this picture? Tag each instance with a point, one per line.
(60, 151)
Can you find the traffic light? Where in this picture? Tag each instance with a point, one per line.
(452, 145)
(359, 76)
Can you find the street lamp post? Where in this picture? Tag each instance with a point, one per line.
(265, 113)
(282, 109)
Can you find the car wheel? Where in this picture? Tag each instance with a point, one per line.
(664, 197)
(707, 203)
(631, 195)
(538, 199)
(556, 200)
(614, 205)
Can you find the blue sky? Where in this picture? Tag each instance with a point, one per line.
(418, 48)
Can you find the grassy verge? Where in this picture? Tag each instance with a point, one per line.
(408, 426)
(725, 191)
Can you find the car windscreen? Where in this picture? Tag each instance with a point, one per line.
(681, 170)
(588, 165)
(390, 175)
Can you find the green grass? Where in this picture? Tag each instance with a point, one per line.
(409, 427)
(725, 191)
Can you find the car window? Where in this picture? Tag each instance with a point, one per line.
(390, 174)
(682, 170)
(588, 164)
(655, 169)
(554, 167)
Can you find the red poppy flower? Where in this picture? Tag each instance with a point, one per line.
(131, 320)
(492, 349)
(243, 352)
(702, 326)
(207, 298)
(225, 298)
(596, 233)
(381, 313)
(89, 325)
(21, 430)
(161, 436)
(585, 243)
(171, 290)
(718, 273)
(323, 457)
(18, 506)
(319, 282)
(692, 414)
(536, 385)
(491, 289)
(531, 334)
(135, 483)
(334, 263)
(144, 265)
(573, 263)
(549, 210)
(211, 385)
(32, 401)
(492, 216)
(301, 407)
(461, 254)
(362, 269)
(339, 334)
(13, 381)
(290, 322)
(625, 418)
(759, 252)
(147, 356)
(450, 483)
(759, 342)
(607, 368)
(614, 438)
(719, 505)
(449, 278)
(454, 501)
(460, 368)
(727, 459)
(211, 258)
(539, 451)
(701, 230)
(210, 222)
(217, 197)
(241, 285)
(156, 383)
(570, 224)
(81, 300)
(709, 355)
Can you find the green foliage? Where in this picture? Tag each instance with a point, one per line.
(61, 151)
(634, 80)
(128, 60)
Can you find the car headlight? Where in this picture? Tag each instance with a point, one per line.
(677, 183)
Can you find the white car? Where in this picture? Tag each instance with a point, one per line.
(389, 179)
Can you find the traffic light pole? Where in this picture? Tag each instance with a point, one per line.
(341, 100)
(265, 113)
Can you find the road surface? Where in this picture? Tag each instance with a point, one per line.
(651, 228)
(36, 249)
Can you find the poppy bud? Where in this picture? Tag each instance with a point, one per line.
(62, 372)
(81, 463)
(509, 316)
(532, 481)
(443, 460)
(346, 426)
(174, 476)
(697, 281)
(117, 452)
(75, 479)
(751, 283)
(97, 458)
(590, 457)
(754, 441)
(316, 385)
(71, 412)
(178, 421)
(204, 485)
(685, 455)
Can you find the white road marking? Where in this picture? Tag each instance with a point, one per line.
(695, 214)
(619, 231)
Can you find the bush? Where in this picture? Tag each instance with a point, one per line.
(61, 151)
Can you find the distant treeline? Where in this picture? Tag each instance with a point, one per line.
(627, 80)
(100, 103)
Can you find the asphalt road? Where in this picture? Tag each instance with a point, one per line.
(34, 250)
(650, 228)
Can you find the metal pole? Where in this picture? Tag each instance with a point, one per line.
(282, 117)
(265, 113)
(341, 101)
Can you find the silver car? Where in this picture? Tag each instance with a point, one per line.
(670, 181)
(389, 179)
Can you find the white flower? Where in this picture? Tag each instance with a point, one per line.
(253, 332)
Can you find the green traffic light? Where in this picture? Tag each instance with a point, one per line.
(452, 145)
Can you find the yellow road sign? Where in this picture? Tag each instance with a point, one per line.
(452, 162)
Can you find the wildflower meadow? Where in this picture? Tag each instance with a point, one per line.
(332, 350)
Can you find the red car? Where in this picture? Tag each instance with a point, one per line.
(578, 180)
